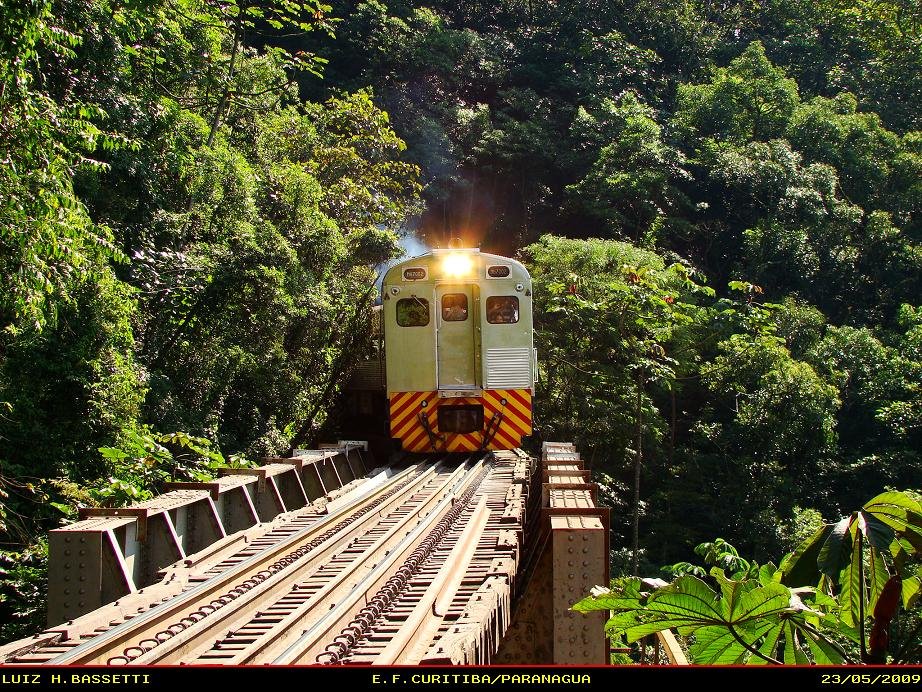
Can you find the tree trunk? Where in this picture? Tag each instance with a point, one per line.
(672, 425)
(638, 459)
(231, 68)
(337, 370)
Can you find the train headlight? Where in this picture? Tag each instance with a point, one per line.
(457, 265)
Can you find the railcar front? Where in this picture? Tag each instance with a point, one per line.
(460, 358)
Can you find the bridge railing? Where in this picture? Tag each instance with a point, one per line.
(114, 551)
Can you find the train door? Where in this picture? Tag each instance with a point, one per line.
(455, 342)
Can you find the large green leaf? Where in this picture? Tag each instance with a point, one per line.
(892, 499)
(687, 598)
(800, 567)
(717, 645)
(761, 602)
(628, 595)
(746, 600)
(640, 630)
(912, 587)
(879, 534)
(609, 601)
(877, 578)
(901, 513)
(770, 643)
(823, 652)
(769, 573)
(793, 653)
(836, 550)
(690, 605)
(852, 589)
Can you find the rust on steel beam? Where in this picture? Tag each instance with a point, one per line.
(571, 556)
(444, 592)
(111, 552)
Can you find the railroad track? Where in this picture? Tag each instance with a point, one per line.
(380, 578)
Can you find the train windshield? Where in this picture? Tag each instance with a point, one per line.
(502, 309)
(412, 312)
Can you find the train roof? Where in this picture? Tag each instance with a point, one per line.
(444, 265)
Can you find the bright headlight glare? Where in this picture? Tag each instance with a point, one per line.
(457, 265)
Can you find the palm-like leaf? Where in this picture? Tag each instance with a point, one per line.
(856, 565)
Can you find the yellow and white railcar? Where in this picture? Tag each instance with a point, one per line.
(459, 351)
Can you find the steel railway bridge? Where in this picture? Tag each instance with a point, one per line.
(324, 559)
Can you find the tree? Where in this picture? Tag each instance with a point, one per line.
(630, 190)
(48, 244)
(605, 313)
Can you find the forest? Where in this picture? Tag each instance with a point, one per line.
(720, 204)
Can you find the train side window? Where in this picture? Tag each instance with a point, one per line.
(502, 309)
(454, 307)
(412, 312)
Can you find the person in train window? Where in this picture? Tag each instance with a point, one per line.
(502, 310)
(454, 307)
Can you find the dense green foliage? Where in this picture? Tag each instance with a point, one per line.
(737, 351)
(720, 204)
(186, 245)
(845, 595)
(755, 171)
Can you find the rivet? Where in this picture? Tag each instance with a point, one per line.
(67, 539)
(572, 576)
(80, 603)
(66, 565)
(66, 591)
(82, 565)
(82, 552)
(82, 578)
(67, 605)
(570, 537)
(66, 552)
(83, 539)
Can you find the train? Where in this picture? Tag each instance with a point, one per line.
(455, 366)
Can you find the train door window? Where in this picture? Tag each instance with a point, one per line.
(454, 307)
(502, 309)
(412, 312)
(460, 419)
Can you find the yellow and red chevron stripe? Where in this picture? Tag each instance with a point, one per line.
(406, 426)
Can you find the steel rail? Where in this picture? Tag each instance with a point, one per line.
(306, 644)
(338, 586)
(185, 642)
(93, 649)
(426, 617)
